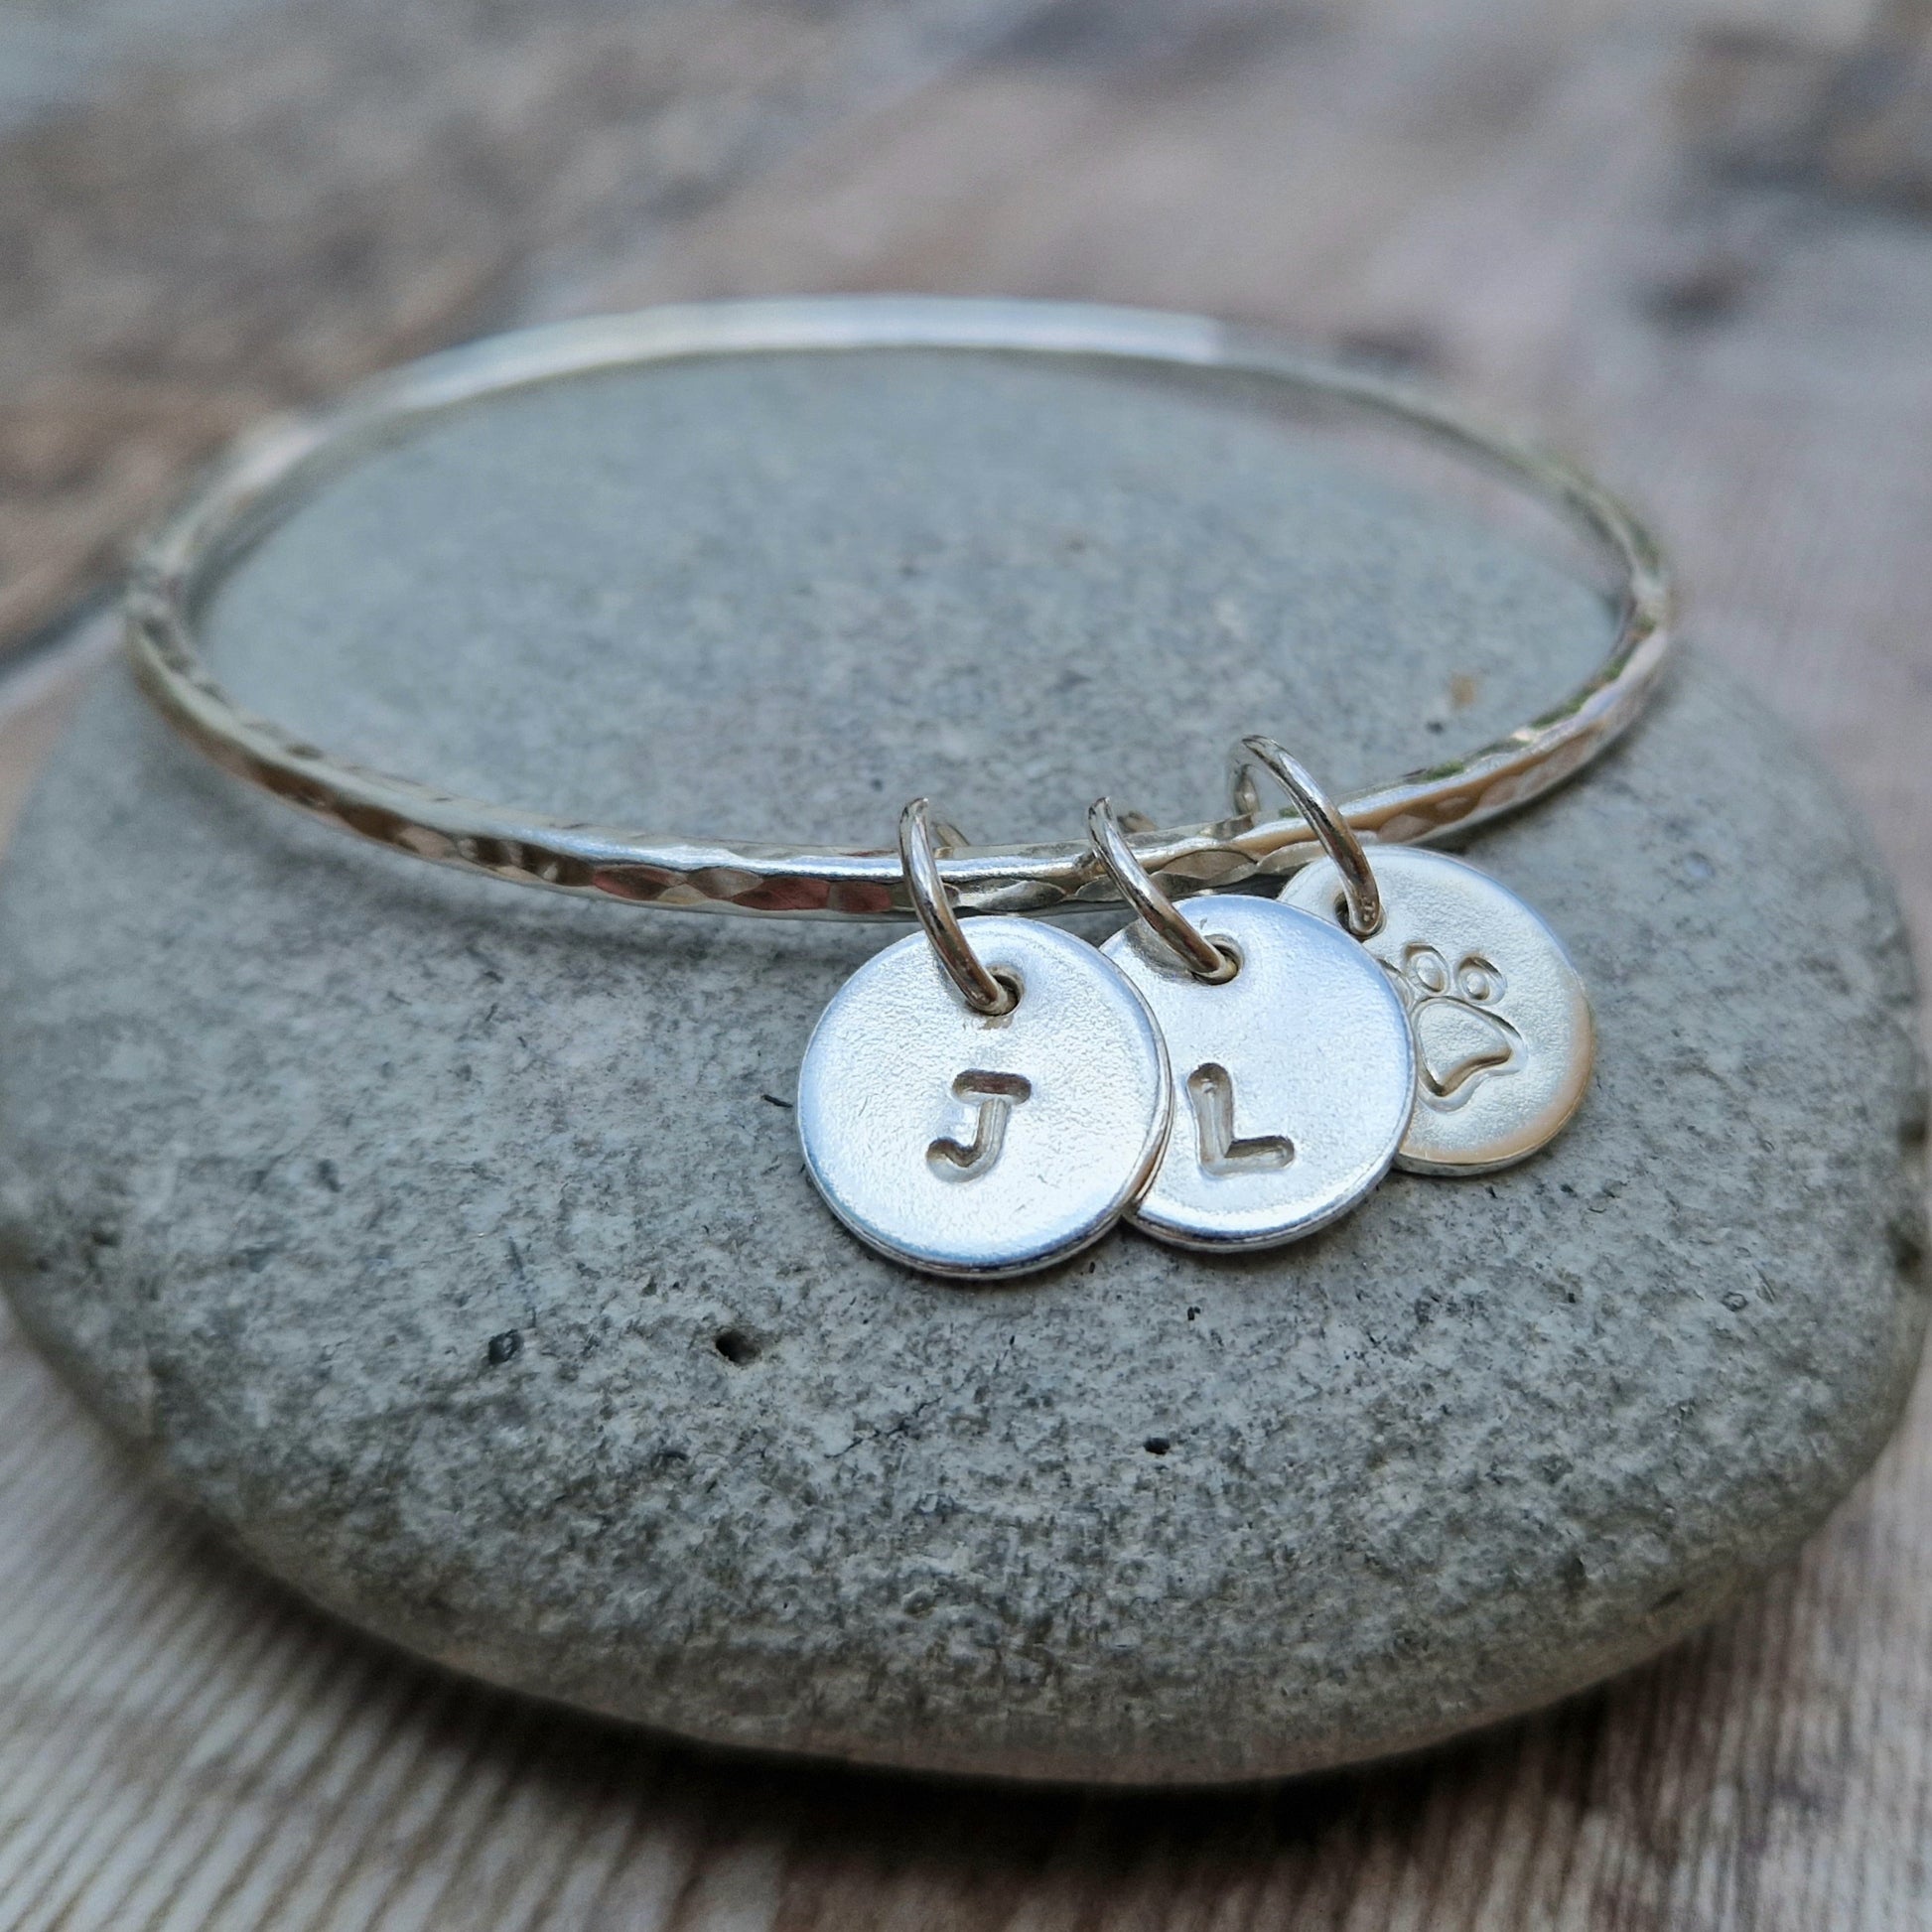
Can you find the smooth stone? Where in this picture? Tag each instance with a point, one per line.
(449, 1245)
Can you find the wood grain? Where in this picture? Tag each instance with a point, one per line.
(1694, 243)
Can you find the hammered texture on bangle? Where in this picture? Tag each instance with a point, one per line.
(270, 472)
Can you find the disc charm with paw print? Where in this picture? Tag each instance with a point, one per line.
(984, 1143)
(1504, 1041)
(1293, 1079)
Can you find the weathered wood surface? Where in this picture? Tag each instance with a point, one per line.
(1694, 243)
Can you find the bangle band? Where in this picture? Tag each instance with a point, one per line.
(270, 472)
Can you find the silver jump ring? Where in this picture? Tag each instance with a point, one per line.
(1361, 896)
(1204, 959)
(919, 858)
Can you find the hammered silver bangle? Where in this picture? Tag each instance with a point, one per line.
(270, 472)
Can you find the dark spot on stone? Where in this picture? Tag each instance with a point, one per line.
(1399, 350)
(505, 1348)
(1083, 33)
(1701, 295)
(737, 1347)
(1737, 1303)
(104, 1237)
(772, 1100)
(1664, 1603)
(1157, 1445)
(1192, 1314)
(1906, 1232)
(1435, 725)
(326, 1173)
(1574, 1577)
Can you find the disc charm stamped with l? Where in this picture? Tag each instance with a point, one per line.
(973, 1144)
(1504, 1041)
(1293, 1081)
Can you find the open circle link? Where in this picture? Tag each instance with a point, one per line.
(982, 989)
(1202, 957)
(1361, 896)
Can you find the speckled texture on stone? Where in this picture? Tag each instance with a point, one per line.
(448, 1244)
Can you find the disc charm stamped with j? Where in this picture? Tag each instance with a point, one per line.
(1293, 1079)
(1504, 1041)
(973, 1144)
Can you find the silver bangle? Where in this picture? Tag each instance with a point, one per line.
(270, 472)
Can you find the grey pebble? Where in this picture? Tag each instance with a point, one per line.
(447, 1245)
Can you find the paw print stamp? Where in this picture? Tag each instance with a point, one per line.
(1461, 1040)
(1501, 1062)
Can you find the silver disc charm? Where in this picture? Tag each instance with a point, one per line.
(1504, 1043)
(973, 1144)
(1293, 1081)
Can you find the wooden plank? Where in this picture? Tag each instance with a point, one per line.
(330, 188)
(1680, 239)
